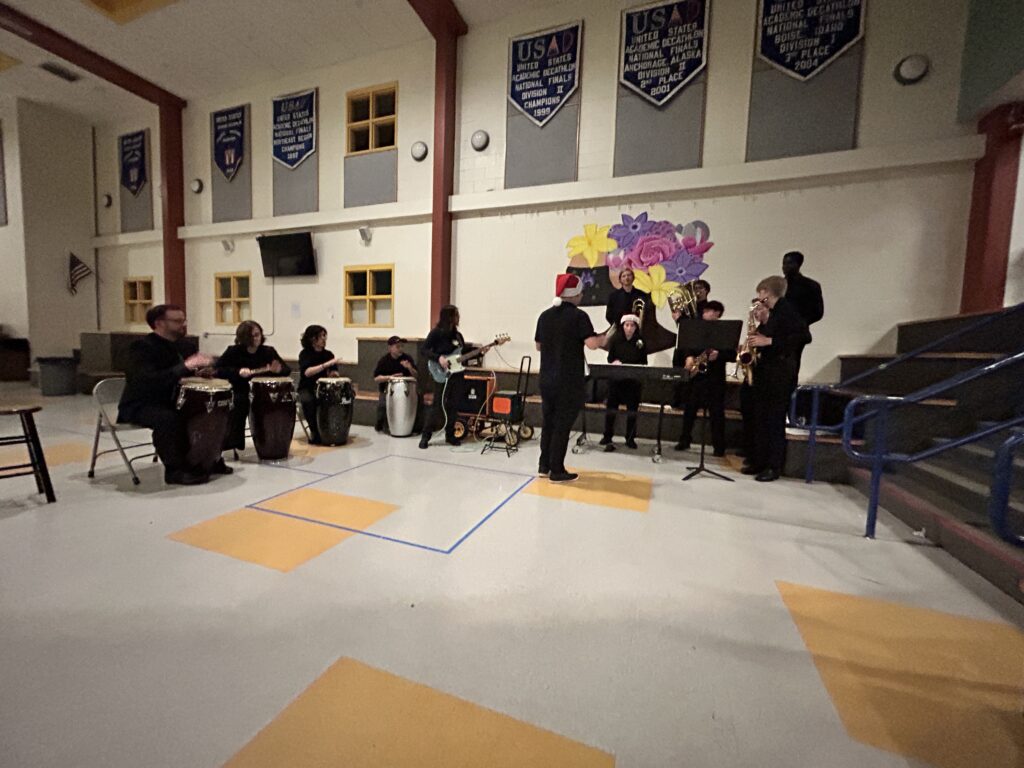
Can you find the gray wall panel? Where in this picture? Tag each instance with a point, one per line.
(371, 179)
(137, 210)
(652, 139)
(297, 191)
(545, 155)
(232, 200)
(790, 118)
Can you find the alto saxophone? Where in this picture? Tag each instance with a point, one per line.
(746, 357)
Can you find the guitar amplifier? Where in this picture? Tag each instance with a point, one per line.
(507, 405)
(473, 394)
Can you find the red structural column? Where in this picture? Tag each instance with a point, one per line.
(992, 203)
(172, 184)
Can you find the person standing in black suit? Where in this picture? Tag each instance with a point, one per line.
(803, 293)
(781, 336)
(621, 300)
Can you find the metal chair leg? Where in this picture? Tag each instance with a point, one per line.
(95, 445)
(124, 457)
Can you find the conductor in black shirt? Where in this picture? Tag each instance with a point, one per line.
(155, 366)
(443, 339)
(563, 330)
(781, 335)
(803, 293)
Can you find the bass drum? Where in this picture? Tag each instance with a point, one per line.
(401, 404)
(334, 403)
(204, 406)
(272, 415)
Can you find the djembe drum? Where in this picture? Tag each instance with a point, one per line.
(204, 405)
(334, 402)
(272, 415)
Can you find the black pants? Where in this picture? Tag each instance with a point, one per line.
(382, 411)
(170, 437)
(773, 386)
(705, 393)
(559, 409)
(236, 422)
(434, 414)
(748, 410)
(307, 399)
(625, 393)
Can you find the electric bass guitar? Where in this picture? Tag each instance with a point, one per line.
(457, 360)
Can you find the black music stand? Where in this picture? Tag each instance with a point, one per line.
(720, 335)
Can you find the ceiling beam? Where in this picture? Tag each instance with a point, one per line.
(50, 40)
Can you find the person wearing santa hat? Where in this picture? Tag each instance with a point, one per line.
(563, 330)
(625, 347)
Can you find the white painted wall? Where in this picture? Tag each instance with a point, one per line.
(1015, 264)
(108, 173)
(57, 181)
(118, 263)
(14, 285)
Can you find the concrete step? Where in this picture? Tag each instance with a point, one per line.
(910, 375)
(968, 491)
(1002, 335)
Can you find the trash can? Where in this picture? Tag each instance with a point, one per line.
(57, 375)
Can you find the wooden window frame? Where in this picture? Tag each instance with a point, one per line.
(234, 300)
(369, 298)
(130, 304)
(371, 122)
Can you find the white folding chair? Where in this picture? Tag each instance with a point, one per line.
(107, 394)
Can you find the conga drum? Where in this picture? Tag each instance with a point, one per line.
(334, 402)
(272, 415)
(401, 402)
(204, 405)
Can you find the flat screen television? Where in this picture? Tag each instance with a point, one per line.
(287, 255)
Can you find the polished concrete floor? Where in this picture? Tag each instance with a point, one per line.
(378, 605)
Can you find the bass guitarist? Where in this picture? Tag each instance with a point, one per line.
(443, 339)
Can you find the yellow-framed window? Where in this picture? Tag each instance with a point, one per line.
(231, 298)
(370, 296)
(371, 119)
(138, 299)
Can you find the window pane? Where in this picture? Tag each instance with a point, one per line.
(244, 311)
(223, 287)
(131, 291)
(356, 283)
(224, 312)
(383, 135)
(359, 313)
(140, 312)
(242, 287)
(359, 139)
(359, 109)
(146, 291)
(381, 282)
(382, 311)
(384, 104)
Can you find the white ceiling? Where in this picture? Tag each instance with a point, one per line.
(195, 48)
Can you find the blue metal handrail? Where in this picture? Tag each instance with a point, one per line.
(879, 456)
(999, 495)
(813, 427)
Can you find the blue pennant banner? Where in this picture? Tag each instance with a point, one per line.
(229, 140)
(802, 37)
(294, 136)
(544, 70)
(133, 161)
(664, 46)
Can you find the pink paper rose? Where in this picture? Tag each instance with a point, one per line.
(650, 250)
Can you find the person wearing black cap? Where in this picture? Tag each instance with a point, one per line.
(394, 363)
(803, 293)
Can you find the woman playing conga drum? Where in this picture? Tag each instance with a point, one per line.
(315, 361)
(246, 358)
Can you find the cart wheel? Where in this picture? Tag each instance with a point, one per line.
(525, 432)
(500, 429)
(577, 449)
(656, 458)
(459, 430)
(512, 437)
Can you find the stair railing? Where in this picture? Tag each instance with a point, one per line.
(999, 495)
(878, 455)
(813, 426)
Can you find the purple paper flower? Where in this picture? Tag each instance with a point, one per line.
(630, 230)
(663, 229)
(683, 267)
(650, 250)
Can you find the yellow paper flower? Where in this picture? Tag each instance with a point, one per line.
(653, 282)
(591, 244)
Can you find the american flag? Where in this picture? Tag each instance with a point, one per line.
(78, 270)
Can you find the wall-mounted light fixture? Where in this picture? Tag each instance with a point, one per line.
(365, 234)
(107, 201)
(196, 185)
(419, 151)
(912, 69)
(228, 246)
(479, 140)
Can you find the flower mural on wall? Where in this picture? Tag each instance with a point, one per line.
(661, 254)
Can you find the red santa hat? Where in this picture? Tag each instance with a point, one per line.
(567, 285)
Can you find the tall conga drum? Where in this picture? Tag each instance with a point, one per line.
(334, 403)
(272, 415)
(204, 405)
(401, 402)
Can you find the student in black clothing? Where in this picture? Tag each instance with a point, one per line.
(780, 337)
(315, 361)
(803, 293)
(155, 366)
(562, 332)
(701, 290)
(624, 347)
(620, 301)
(441, 342)
(705, 390)
(246, 358)
(394, 363)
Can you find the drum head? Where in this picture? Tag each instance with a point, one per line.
(200, 384)
(271, 381)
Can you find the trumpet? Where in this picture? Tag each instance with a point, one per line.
(747, 356)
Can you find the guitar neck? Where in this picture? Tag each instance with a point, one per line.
(474, 353)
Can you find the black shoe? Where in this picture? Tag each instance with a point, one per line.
(719, 453)
(220, 468)
(767, 476)
(683, 445)
(452, 441)
(750, 469)
(562, 477)
(606, 440)
(631, 443)
(425, 440)
(542, 471)
(313, 440)
(378, 428)
(609, 448)
(181, 477)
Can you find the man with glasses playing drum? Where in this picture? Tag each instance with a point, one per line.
(156, 370)
(394, 364)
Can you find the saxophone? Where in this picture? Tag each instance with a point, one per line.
(746, 357)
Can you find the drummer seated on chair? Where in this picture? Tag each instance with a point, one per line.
(315, 362)
(246, 358)
(155, 366)
(394, 363)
